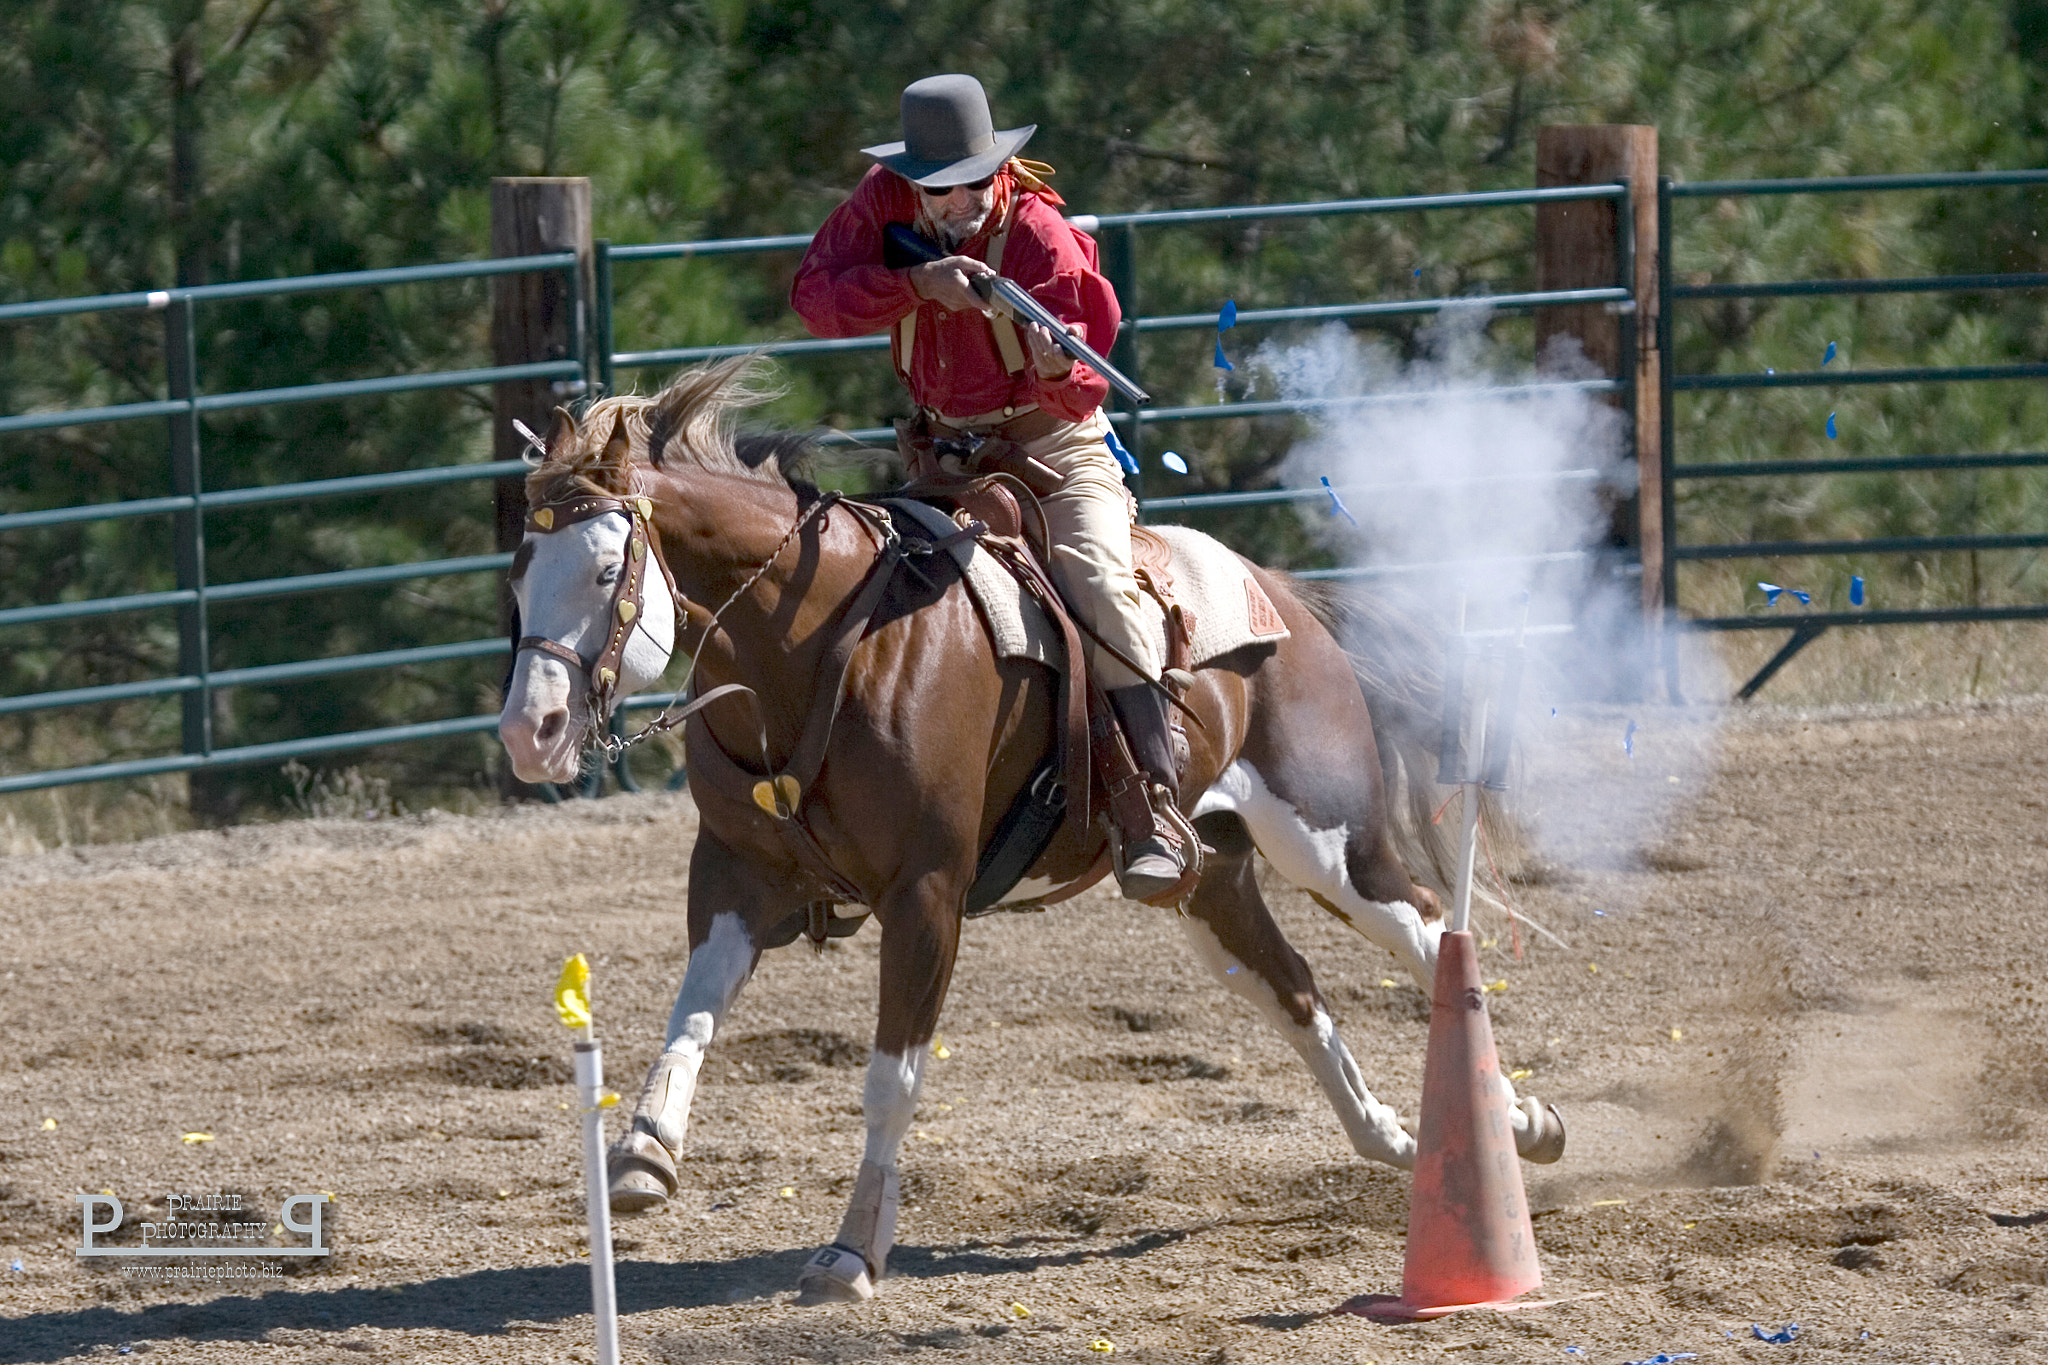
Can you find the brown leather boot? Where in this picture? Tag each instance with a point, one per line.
(1153, 863)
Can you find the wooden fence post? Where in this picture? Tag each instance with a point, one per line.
(535, 316)
(1578, 247)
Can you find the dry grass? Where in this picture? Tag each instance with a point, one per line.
(93, 813)
(1903, 664)
(1964, 662)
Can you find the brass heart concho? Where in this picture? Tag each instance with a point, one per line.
(777, 798)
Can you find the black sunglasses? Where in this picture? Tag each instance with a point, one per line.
(941, 191)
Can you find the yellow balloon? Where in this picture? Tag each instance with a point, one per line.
(572, 993)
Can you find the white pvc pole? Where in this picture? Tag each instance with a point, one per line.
(1461, 903)
(604, 1301)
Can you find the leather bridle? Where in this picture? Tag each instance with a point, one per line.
(627, 606)
(601, 674)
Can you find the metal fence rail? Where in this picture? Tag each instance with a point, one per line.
(1805, 627)
(195, 681)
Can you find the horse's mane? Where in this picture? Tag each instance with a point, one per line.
(690, 422)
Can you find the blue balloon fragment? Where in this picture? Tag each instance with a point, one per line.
(1772, 592)
(1336, 503)
(1776, 1338)
(1769, 370)
(15, 1266)
(1829, 356)
(1173, 461)
(1831, 427)
(1230, 971)
(1116, 448)
(1225, 320)
(1628, 739)
(1856, 590)
(1418, 272)
(1665, 1358)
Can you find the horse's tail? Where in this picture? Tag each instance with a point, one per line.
(1399, 665)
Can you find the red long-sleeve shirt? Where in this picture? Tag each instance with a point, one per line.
(842, 290)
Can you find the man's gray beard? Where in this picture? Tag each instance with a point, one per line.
(955, 235)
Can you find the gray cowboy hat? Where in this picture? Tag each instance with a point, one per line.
(948, 136)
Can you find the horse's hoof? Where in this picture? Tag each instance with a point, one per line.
(1543, 1140)
(643, 1175)
(835, 1275)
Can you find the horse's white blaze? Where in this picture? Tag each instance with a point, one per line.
(565, 595)
(718, 969)
(1373, 1127)
(1313, 859)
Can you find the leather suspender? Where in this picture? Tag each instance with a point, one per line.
(1008, 343)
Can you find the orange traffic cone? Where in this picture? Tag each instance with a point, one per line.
(1469, 1239)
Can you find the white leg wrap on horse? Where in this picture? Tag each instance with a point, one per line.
(1539, 1131)
(643, 1162)
(870, 1223)
(665, 1100)
(846, 1271)
(719, 968)
(642, 1165)
(1373, 1127)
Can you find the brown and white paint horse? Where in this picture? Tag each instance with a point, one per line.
(934, 739)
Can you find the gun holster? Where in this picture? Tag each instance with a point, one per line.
(926, 454)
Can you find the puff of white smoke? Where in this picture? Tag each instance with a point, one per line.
(1479, 479)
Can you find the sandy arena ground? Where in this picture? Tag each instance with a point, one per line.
(1797, 1036)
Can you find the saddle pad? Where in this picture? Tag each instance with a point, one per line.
(1225, 607)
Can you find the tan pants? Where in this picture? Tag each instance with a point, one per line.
(1089, 521)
